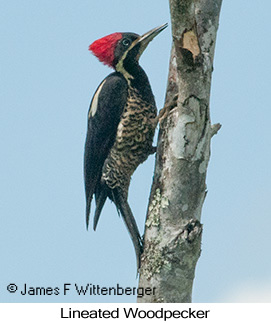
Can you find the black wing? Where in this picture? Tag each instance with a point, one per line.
(103, 118)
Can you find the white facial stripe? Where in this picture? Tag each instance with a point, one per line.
(120, 68)
(94, 103)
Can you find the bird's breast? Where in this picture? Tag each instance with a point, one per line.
(133, 140)
(136, 127)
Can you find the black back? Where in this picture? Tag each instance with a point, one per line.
(101, 133)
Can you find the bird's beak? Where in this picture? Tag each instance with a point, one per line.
(146, 38)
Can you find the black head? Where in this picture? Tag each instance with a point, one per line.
(123, 48)
(120, 49)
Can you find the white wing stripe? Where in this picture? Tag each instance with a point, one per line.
(94, 103)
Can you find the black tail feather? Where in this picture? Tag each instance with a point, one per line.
(100, 198)
(88, 211)
(125, 210)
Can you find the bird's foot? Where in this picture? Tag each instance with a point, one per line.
(164, 112)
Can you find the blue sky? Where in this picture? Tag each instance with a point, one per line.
(48, 77)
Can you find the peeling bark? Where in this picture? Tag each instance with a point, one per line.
(172, 240)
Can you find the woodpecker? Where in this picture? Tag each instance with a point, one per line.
(121, 126)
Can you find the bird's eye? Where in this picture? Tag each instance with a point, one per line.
(126, 42)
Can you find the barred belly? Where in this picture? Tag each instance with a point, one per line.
(133, 142)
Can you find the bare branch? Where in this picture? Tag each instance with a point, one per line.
(215, 128)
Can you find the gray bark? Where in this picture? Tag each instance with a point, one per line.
(173, 229)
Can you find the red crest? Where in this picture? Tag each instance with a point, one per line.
(104, 48)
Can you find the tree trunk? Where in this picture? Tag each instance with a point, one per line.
(173, 230)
